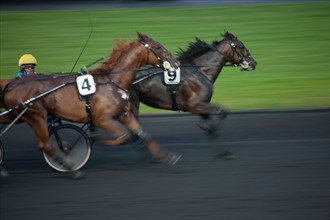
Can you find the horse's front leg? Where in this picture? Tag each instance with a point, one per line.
(160, 154)
(207, 112)
(135, 103)
(210, 125)
(3, 171)
(40, 127)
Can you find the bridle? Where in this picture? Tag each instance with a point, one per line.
(235, 51)
(233, 47)
(146, 45)
(165, 63)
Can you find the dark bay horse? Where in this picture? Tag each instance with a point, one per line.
(200, 66)
(109, 105)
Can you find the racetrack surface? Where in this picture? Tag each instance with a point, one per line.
(282, 172)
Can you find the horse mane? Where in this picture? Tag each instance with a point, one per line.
(194, 50)
(199, 47)
(112, 61)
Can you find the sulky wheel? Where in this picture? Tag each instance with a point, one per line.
(2, 151)
(73, 142)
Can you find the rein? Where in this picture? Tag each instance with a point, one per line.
(212, 47)
(232, 45)
(144, 77)
(84, 68)
(90, 34)
(191, 65)
(28, 101)
(13, 122)
(116, 84)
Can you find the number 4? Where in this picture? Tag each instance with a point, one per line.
(85, 84)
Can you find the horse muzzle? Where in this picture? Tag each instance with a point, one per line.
(247, 66)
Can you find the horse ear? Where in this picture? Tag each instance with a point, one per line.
(142, 37)
(230, 35)
(225, 34)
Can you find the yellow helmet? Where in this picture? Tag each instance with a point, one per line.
(27, 59)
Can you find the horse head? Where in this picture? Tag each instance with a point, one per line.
(238, 54)
(135, 54)
(160, 55)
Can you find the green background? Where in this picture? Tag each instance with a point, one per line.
(289, 41)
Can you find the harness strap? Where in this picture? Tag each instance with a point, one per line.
(214, 48)
(127, 107)
(89, 112)
(172, 90)
(28, 101)
(144, 77)
(87, 99)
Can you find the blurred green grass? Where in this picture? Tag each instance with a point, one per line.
(289, 41)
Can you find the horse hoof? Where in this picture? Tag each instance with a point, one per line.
(171, 158)
(223, 114)
(78, 174)
(226, 155)
(174, 158)
(206, 126)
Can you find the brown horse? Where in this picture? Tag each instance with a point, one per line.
(109, 105)
(200, 66)
(3, 84)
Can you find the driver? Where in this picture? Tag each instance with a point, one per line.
(27, 64)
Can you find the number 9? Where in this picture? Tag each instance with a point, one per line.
(172, 75)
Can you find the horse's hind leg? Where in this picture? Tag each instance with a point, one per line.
(40, 127)
(123, 135)
(113, 127)
(160, 154)
(116, 128)
(3, 172)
